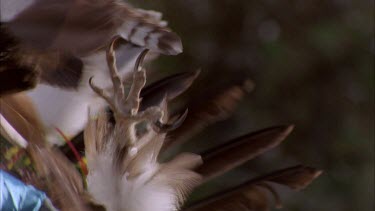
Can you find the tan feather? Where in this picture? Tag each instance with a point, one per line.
(19, 112)
(54, 173)
(58, 177)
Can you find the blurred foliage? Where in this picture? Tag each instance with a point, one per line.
(313, 63)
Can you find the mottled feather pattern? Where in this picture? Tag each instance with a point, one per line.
(82, 27)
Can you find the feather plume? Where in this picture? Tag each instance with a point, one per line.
(124, 172)
(66, 49)
(58, 177)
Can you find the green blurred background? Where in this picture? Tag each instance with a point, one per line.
(313, 65)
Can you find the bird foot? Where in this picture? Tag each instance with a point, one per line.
(126, 107)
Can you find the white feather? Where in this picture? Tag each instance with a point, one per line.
(150, 188)
(8, 130)
(67, 109)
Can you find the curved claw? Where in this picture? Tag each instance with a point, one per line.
(164, 128)
(111, 62)
(140, 59)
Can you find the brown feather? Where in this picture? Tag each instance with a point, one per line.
(169, 87)
(296, 177)
(252, 198)
(252, 195)
(81, 27)
(225, 157)
(19, 111)
(59, 178)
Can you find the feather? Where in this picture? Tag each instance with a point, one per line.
(58, 177)
(212, 110)
(82, 27)
(54, 173)
(53, 39)
(61, 44)
(252, 194)
(18, 111)
(225, 157)
(171, 87)
(295, 177)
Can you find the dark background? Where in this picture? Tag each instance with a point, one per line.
(313, 65)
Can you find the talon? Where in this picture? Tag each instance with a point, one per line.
(139, 81)
(118, 87)
(164, 128)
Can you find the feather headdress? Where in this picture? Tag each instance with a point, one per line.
(123, 147)
(122, 150)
